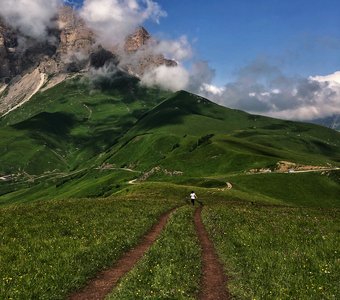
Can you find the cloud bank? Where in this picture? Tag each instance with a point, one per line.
(177, 50)
(169, 78)
(113, 20)
(31, 18)
(262, 88)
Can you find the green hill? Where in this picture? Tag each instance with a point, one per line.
(199, 138)
(83, 139)
(64, 127)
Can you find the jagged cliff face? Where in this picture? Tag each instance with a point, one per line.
(27, 64)
(75, 36)
(140, 58)
(5, 71)
(72, 45)
(19, 54)
(137, 40)
(69, 47)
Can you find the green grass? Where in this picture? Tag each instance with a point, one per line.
(171, 269)
(82, 183)
(77, 126)
(185, 130)
(275, 252)
(48, 249)
(305, 189)
(64, 134)
(70, 126)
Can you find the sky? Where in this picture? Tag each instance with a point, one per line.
(301, 36)
(270, 57)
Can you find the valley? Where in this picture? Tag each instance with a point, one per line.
(86, 173)
(196, 159)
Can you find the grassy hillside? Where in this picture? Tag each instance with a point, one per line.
(126, 154)
(66, 126)
(186, 130)
(84, 138)
(276, 252)
(48, 249)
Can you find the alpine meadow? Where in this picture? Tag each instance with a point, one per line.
(98, 167)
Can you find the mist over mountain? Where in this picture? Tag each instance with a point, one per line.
(107, 126)
(27, 63)
(332, 122)
(93, 41)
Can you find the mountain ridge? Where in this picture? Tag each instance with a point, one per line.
(71, 140)
(74, 50)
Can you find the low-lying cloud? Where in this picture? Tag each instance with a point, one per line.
(170, 78)
(177, 50)
(31, 18)
(262, 88)
(113, 20)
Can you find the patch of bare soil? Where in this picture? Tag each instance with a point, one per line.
(106, 280)
(214, 280)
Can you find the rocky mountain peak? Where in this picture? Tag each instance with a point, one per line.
(75, 36)
(137, 40)
(26, 64)
(19, 53)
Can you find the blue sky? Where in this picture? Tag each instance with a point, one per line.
(272, 57)
(302, 37)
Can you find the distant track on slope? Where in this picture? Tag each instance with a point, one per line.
(99, 287)
(214, 280)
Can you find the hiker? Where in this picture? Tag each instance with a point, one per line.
(193, 197)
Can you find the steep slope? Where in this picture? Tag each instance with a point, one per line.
(190, 134)
(90, 137)
(62, 128)
(28, 65)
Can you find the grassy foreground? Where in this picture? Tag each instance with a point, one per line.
(171, 268)
(50, 248)
(276, 252)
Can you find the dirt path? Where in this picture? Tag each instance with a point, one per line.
(213, 284)
(106, 280)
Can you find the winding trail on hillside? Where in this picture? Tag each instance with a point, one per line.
(214, 280)
(99, 287)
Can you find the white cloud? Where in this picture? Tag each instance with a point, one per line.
(31, 17)
(169, 78)
(263, 89)
(178, 50)
(210, 88)
(113, 20)
(332, 79)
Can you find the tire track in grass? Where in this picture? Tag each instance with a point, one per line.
(213, 283)
(106, 280)
(171, 269)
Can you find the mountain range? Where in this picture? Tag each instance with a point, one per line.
(70, 129)
(28, 65)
